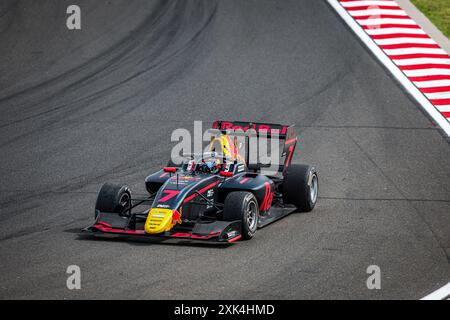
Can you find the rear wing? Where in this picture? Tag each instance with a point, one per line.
(285, 133)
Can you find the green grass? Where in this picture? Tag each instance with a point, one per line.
(438, 11)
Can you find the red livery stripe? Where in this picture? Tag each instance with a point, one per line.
(211, 235)
(290, 141)
(235, 239)
(201, 191)
(104, 224)
(181, 235)
(194, 236)
(244, 180)
(113, 230)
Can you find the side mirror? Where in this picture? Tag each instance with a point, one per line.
(170, 169)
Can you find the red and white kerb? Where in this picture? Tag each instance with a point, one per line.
(413, 51)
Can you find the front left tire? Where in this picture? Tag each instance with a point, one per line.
(242, 206)
(113, 198)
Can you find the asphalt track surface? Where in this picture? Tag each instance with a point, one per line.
(79, 108)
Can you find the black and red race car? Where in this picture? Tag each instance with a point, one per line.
(216, 196)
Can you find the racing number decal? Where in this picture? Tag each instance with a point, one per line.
(288, 159)
(170, 195)
(268, 198)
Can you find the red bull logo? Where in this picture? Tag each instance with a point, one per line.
(176, 218)
(246, 126)
(160, 220)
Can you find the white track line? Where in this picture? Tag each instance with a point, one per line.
(440, 294)
(389, 64)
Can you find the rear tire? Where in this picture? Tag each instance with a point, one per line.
(112, 198)
(242, 206)
(301, 187)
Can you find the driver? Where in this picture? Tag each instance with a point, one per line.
(210, 166)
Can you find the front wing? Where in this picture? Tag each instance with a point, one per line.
(114, 225)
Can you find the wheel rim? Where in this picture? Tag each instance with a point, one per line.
(251, 214)
(124, 200)
(314, 188)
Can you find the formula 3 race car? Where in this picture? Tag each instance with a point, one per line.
(216, 196)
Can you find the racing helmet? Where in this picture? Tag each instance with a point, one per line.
(224, 144)
(210, 166)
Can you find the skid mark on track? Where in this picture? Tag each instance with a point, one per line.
(142, 48)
